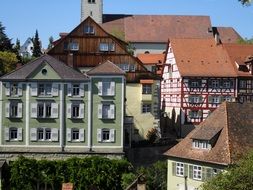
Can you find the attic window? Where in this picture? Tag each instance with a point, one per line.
(44, 71)
(88, 29)
(201, 144)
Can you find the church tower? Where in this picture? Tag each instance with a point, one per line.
(92, 8)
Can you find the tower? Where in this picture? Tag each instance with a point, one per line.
(92, 8)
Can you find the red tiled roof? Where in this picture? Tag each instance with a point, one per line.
(228, 35)
(151, 59)
(202, 57)
(239, 53)
(234, 129)
(157, 28)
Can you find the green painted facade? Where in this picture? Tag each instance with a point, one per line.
(69, 112)
(192, 174)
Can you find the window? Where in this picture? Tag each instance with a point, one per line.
(195, 114)
(214, 99)
(75, 134)
(44, 134)
(91, 1)
(179, 169)
(215, 83)
(74, 46)
(195, 99)
(75, 110)
(146, 89)
(226, 84)
(111, 46)
(124, 66)
(106, 88)
(243, 84)
(202, 144)
(146, 108)
(103, 47)
(13, 109)
(227, 98)
(88, 29)
(195, 83)
(13, 133)
(106, 135)
(197, 172)
(106, 111)
(76, 90)
(14, 89)
(132, 68)
(44, 110)
(45, 90)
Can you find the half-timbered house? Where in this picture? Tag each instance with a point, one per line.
(87, 46)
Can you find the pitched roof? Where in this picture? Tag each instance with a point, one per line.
(239, 53)
(157, 28)
(228, 34)
(106, 68)
(151, 59)
(233, 123)
(64, 71)
(202, 57)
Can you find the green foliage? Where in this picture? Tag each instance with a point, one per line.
(87, 173)
(5, 42)
(127, 179)
(245, 41)
(36, 45)
(238, 177)
(156, 175)
(8, 61)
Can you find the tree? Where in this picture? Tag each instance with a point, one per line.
(246, 2)
(16, 50)
(51, 40)
(8, 61)
(36, 45)
(5, 42)
(238, 177)
(245, 41)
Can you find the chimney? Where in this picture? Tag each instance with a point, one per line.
(217, 39)
(70, 60)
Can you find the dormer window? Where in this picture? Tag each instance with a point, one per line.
(201, 144)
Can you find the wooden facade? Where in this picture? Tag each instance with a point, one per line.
(89, 45)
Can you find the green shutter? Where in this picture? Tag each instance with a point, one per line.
(173, 168)
(185, 169)
(191, 171)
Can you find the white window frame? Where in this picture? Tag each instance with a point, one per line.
(146, 88)
(197, 172)
(180, 169)
(101, 134)
(146, 108)
(75, 105)
(195, 83)
(106, 88)
(74, 46)
(215, 99)
(106, 114)
(227, 84)
(125, 67)
(227, 98)
(45, 89)
(194, 114)
(200, 144)
(13, 133)
(89, 29)
(104, 47)
(215, 83)
(243, 84)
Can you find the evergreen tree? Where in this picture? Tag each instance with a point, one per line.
(5, 42)
(36, 45)
(51, 40)
(17, 49)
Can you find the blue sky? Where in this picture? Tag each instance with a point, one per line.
(50, 17)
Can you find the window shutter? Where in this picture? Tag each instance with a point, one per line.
(69, 110)
(112, 111)
(185, 169)
(112, 135)
(20, 134)
(200, 99)
(209, 173)
(191, 171)
(203, 174)
(55, 136)
(81, 89)
(100, 88)
(99, 135)
(7, 109)
(54, 110)
(33, 110)
(81, 110)
(173, 168)
(112, 88)
(20, 89)
(69, 89)
(20, 110)
(7, 89)
(34, 91)
(81, 135)
(7, 134)
(33, 134)
(55, 89)
(100, 111)
(69, 135)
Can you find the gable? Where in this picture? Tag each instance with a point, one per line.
(44, 72)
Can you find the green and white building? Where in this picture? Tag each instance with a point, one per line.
(48, 109)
